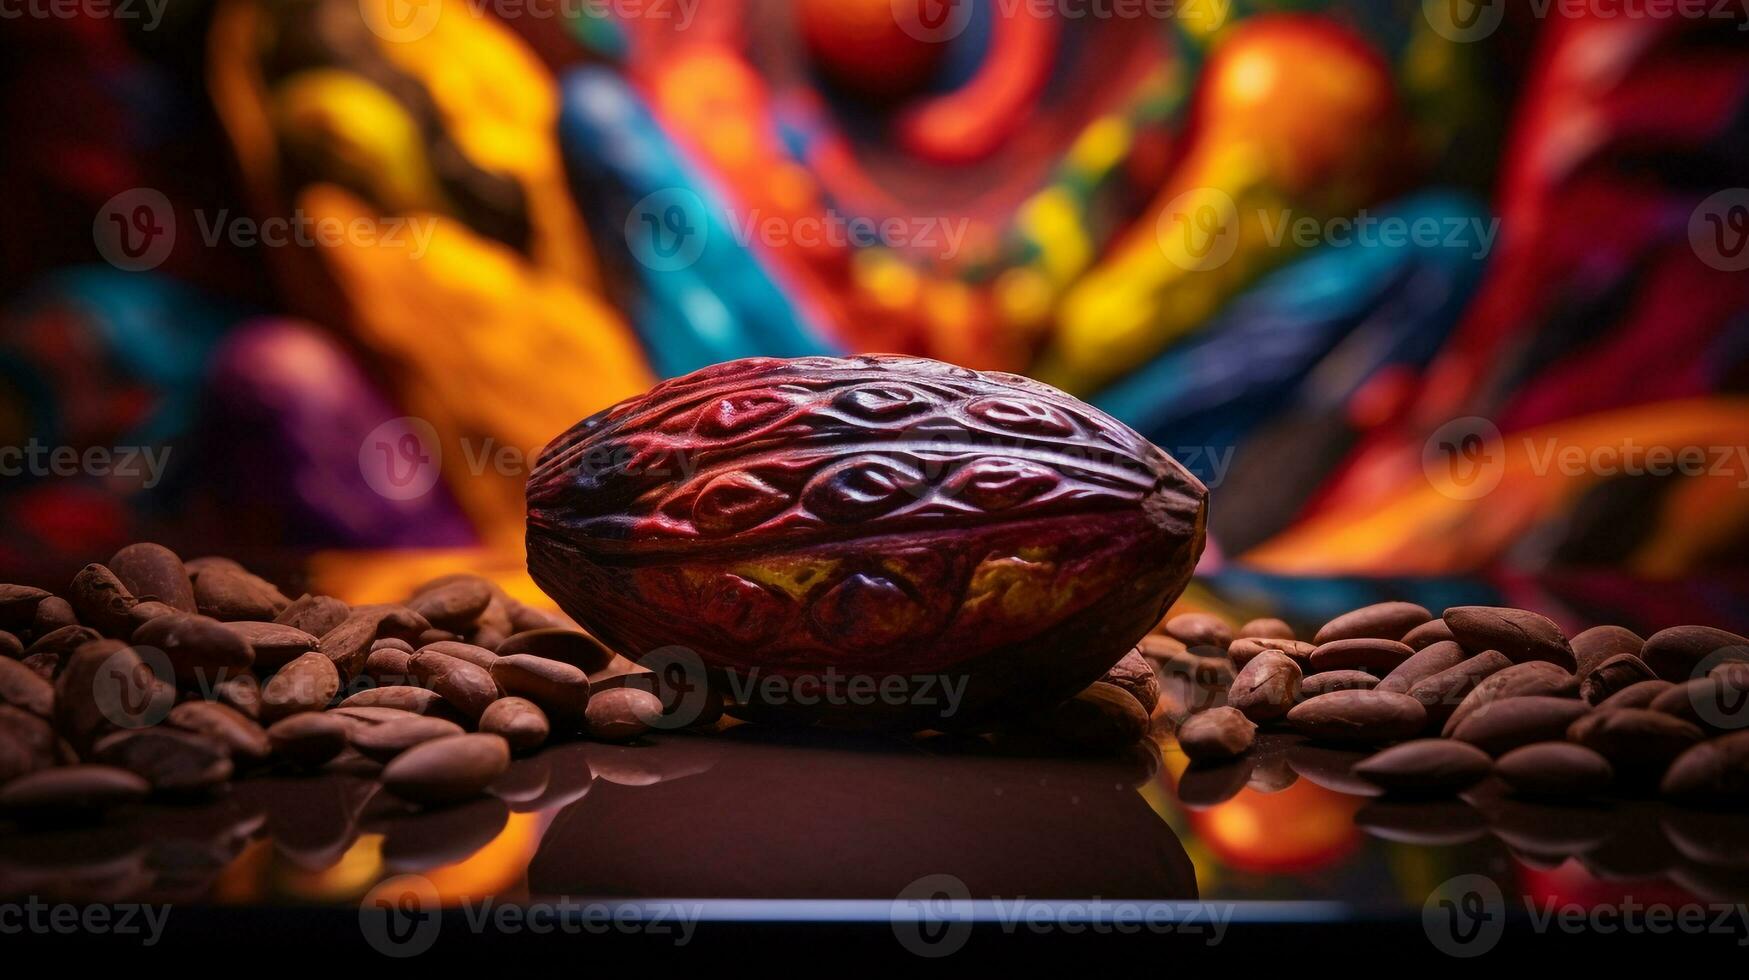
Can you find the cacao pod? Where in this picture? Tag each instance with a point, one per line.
(844, 524)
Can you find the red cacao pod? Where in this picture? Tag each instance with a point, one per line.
(818, 526)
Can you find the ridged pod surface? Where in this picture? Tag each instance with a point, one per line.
(820, 520)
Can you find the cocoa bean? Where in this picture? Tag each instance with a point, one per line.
(1360, 653)
(310, 739)
(154, 572)
(1427, 634)
(200, 649)
(1266, 688)
(1381, 621)
(454, 605)
(245, 740)
(1611, 675)
(467, 688)
(448, 769)
(1199, 629)
(1267, 628)
(1441, 693)
(275, 644)
(1518, 633)
(1713, 773)
(306, 684)
(1336, 680)
(173, 761)
(1219, 733)
(1555, 771)
(1431, 766)
(1500, 726)
(1438, 656)
(389, 738)
(519, 721)
(1363, 717)
(561, 690)
(1242, 651)
(1529, 679)
(1675, 653)
(70, 793)
(1600, 643)
(313, 614)
(1135, 674)
(101, 601)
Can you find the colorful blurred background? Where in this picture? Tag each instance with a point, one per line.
(1445, 301)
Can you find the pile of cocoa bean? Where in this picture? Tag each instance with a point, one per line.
(155, 676)
(1474, 692)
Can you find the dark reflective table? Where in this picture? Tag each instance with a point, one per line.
(797, 820)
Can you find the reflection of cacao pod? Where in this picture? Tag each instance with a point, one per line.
(840, 524)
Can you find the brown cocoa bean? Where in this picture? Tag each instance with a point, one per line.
(1714, 704)
(1613, 674)
(306, 684)
(1199, 630)
(570, 646)
(1135, 674)
(32, 736)
(107, 685)
(18, 606)
(101, 601)
(1380, 621)
(1638, 742)
(145, 612)
(1520, 634)
(1427, 634)
(229, 594)
(71, 793)
(241, 694)
(1713, 773)
(1600, 643)
(454, 605)
(623, 713)
(467, 688)
(1639, 695)
(53, 613)
(1441, 693)
(173, 761)
(1438, 656)
(1432, 766)
(1555, 771)
(309, 740)
(314, 614)
(1100, 718)
(1336, 680)
(1218, 733)
(388, 738)
(418, 700)
(1360, 653)
(152, 571)
(275, 644)
(1500, 726)
(1532, 678)
(349, 644)
(521, 723)
(1361, 717)
(61, 642)
(1242, 651)
(245, 740)
(1675, 653)
(1268, 628)
(200, 649)
(479, 656)
(448, 769)
(525, 618)
(388, 666)
(561, 690)
(11, 648)
(22, 688)
(1266, 688)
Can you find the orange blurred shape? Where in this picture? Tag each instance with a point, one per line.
(1300, 828)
